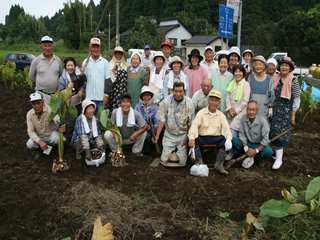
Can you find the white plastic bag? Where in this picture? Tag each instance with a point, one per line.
(199, 170)
(97, 162)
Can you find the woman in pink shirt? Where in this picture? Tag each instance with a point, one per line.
(195, 72)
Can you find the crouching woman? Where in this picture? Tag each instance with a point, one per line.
(87, 135)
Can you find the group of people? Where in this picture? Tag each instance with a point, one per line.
(235, 105)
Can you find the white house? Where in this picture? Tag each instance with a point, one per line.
(200, 42)
(176, 32)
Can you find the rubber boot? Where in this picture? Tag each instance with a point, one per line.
(219, 162)
(279, 154)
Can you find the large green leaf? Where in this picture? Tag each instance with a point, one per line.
(55, 105)
(275, 208)
(103, 118)
(313, 189)
(296, 208)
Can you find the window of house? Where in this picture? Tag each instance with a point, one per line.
(217, 48)
(173, 41)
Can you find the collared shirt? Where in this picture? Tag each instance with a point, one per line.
(79, 130)
(254, 132)
(97, 71)
(177, 116)
(147, 61)
(211, 67)
(46, 73)
(207, 123)
(195, 78)
(39, 127)
(149, 113)
(199, 100)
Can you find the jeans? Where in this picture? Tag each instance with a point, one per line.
(238, 147)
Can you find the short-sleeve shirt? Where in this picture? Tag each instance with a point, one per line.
(97, 71)
(126, 131)
(176, 115)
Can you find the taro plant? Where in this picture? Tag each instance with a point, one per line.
(12, 78)
(308, 105)
(60, 106)
(304, 204)
(117, 158)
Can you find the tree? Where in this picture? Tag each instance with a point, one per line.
(143, 32)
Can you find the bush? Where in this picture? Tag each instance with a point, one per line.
(12, 78)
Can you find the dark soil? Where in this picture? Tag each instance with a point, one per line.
(36, 204)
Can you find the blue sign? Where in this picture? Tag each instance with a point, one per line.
(225, 21)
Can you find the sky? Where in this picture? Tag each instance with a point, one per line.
(36, 8)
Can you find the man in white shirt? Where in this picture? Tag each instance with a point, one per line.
(97, 70)
(208, 62)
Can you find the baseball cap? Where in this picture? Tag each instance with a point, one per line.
(146, 46)
(35, 97)
(46, 39)
(214, 93)
(95, 41)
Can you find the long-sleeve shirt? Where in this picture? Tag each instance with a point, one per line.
(254, 132)
(207, 123)
(97, 72)
(46, 73)
(38, 127)
(195, 78)
(149, 113)
(242, 104)
(220, 82)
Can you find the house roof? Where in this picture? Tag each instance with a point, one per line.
(177, 25)
(201, 39)
(168, 28)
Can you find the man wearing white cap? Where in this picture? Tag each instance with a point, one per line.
(46, 69)
(208, 62)
(42, 133)
(98, 74)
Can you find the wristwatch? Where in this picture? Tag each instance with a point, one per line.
(257, 150)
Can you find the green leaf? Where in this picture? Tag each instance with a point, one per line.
(223, 214)
(104, 119)
(275, 208)
(72, 110)
(313, 189)
(55, 105)
(294, 192)
(297, 208)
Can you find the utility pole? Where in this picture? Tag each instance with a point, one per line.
(117, 25)
(109, 33)
(239, 25)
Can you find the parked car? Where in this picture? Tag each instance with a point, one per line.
(278, 55)
(21, 60)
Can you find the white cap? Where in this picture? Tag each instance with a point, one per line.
(159, 54)
(208, 48)
(146, 89)
(118, 49)
(35, 97)
(235, 50)
(46, 39)
(272, 61)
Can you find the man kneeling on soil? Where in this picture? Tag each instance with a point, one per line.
(210, 127)
(86, 134)
(175, 113)
(42, 133)
(131, 124)
(253, 137)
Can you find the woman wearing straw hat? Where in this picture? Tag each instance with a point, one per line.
(262, 90)
(119, 76)
(286, 104)
(195, 72)
(175, 74)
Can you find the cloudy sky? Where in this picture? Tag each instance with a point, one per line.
(34, 7)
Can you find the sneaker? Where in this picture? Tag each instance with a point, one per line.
(248, 162)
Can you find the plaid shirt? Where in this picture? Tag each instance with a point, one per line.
(149, 113)
(78, 130)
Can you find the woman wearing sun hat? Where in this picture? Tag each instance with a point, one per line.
(157, 75)
(195, 72)
(262, 90)
(175, 74)
(285, 106)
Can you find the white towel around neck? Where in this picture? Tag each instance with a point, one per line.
(119, 118)
(87, 128)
